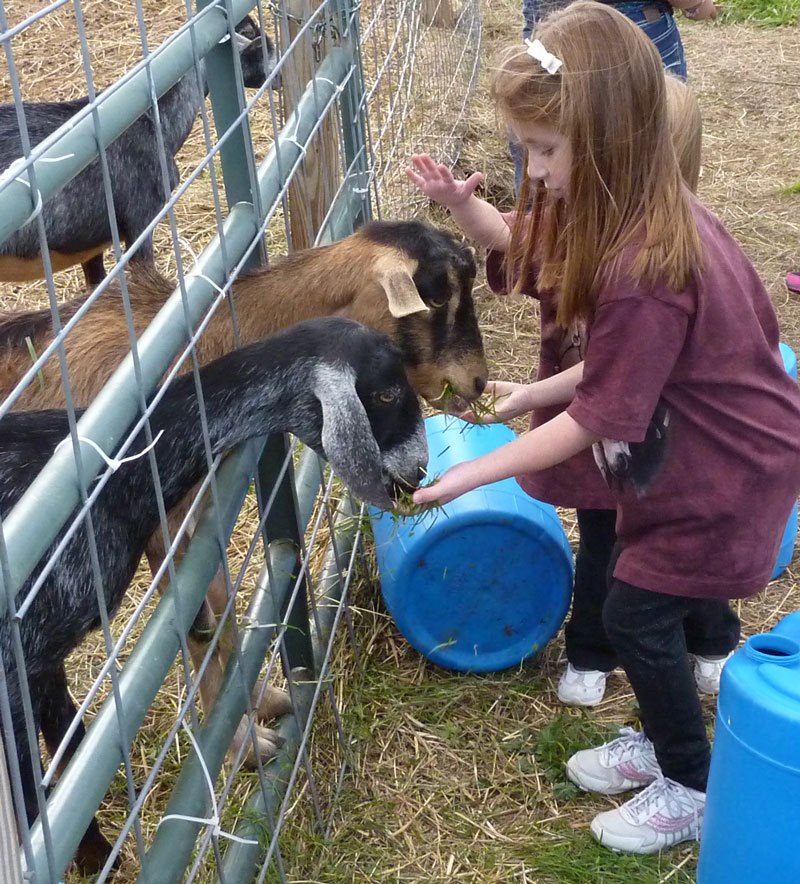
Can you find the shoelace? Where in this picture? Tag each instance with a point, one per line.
(662, 792)
(629, 743)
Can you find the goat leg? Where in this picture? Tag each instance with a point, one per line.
(57, 712)
(270, 702)
(94, 271)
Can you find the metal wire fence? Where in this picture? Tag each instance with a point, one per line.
(314, 148)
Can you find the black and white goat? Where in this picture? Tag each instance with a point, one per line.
(76, 218)
(339, 387)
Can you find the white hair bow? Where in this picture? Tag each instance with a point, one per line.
(546, 59)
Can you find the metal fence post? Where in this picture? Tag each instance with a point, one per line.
(354, 117)
(9, 852)
(227, 102)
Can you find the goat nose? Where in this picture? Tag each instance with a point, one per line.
(480, 384)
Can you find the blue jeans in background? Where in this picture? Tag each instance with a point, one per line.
(654, 17)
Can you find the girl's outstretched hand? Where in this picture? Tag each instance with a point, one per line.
(451, 484)
(507, 400)
(436, 181)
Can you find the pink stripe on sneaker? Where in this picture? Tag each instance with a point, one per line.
(669, 825)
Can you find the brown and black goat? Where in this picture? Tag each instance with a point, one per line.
(407, 279)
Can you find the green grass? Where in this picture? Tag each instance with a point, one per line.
(792, 189)
(565, 856)
(767, 13)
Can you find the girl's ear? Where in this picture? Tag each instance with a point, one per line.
(347, 438)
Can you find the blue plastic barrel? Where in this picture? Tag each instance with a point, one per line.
(786, 550)
(789, 626)
(752, 815)
(485, 582)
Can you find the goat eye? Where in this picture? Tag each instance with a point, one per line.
(387, 396)
(438, 302)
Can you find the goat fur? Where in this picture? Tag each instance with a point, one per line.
(339, 387)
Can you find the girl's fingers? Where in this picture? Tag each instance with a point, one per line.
(429, 494)
(473, 181)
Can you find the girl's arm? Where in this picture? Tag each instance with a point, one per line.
(480, 221)
(511, 400)
(546, 446)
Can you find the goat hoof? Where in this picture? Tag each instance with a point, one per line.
(93, 851)
(205, 624)
(274, 703)
(267, 744)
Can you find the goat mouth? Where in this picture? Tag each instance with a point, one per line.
(450, 403)
(401, 495)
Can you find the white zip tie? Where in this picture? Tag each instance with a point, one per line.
(338, 88)
(194, 273)
(249, 624)
(11, 172)
(112, 462)
(301, 147)
(211, 821)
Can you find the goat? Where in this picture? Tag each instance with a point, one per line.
(338, 386)
(405, 278)
(76, 220)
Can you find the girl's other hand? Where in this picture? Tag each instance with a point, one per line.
(451, 484)
(507, 400)
(436, 181)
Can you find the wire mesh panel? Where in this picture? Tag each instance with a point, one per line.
(172, 700)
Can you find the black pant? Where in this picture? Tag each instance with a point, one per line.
(711, 630)
(648, 631)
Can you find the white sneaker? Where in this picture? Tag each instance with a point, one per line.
(708, 671)
(581, 687)
(628, 762)
(665, 813)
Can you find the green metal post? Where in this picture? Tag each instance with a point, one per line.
(238, 159)
(242, 859)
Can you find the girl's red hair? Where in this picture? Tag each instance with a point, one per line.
(609, 100)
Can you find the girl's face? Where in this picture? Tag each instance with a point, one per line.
(549, 156)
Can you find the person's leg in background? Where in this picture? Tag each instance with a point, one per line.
(590, 654)
(530, 15)
(657, 20)
(712, 631)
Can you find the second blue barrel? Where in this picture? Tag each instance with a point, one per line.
(485, 582)
(789, 538)
(752, 814)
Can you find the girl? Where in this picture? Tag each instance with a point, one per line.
(681, 393)
(578, 483)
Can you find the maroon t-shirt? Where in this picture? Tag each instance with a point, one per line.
(576, 482)
(705, 464)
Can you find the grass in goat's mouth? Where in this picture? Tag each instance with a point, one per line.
(405, 508)
(480, 407)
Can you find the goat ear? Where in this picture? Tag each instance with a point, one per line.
(395, 277)
(347, 437)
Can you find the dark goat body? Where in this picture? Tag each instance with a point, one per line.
(338, 386)
(76, 218)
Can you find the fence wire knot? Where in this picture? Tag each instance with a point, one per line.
(112, 462)
(212, 821)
